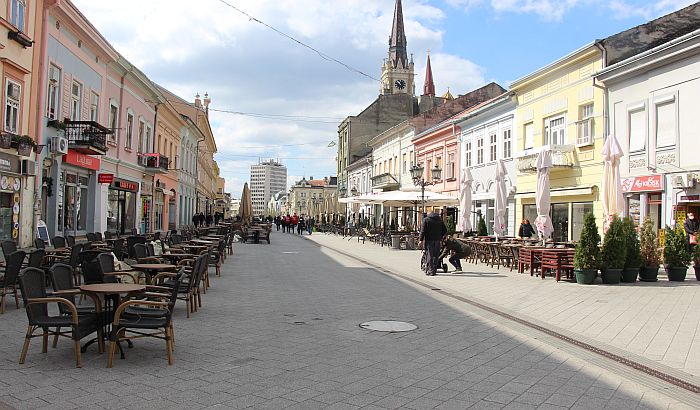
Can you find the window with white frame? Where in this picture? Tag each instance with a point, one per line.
(637, 120)
(141, 137)
(584, 127)
(529, 133)
(493, 145)
(665, 121)
(555, 130)
(112, 121)
(76, 95)
(479, 151)
(403, 168)
(94, 106)
(450, 166)
(53, 92)
(468, 154)
(129, 130)
(13, 96)
(18, 10)
(507, 144)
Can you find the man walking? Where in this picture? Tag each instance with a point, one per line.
(431, 233)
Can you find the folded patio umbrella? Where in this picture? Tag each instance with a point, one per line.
(465, 201)
(611, 187)
(499, 220)
(542, 195)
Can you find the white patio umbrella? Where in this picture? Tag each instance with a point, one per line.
(499, 220)
(611, 189)
(542, 195)
(465, 201)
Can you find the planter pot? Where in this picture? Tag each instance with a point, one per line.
(24, 150)
(611, 276)
(697, 271)
(649, 273)
(676, 273)
(5, 141)
(585, 276)
(629, 275)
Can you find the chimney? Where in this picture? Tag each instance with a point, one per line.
(207, 101)
(197, 101)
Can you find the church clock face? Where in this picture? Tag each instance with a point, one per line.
(400, 84)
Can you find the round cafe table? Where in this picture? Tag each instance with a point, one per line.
(152, 269)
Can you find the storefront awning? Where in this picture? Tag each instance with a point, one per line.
(560, 192)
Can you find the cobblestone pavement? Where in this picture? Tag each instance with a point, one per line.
(280, 329)
(658, 323)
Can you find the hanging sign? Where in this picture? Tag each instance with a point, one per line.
(643, 184)
(105, 178)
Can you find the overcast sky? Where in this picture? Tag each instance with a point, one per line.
(203, 46)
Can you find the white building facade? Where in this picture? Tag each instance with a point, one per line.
(488, 135)
(653, 110)
(266, 179)
(359, 183)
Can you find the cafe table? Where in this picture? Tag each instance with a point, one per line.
(201, 242)
(176, 256)
(112, 294)
(152, 269)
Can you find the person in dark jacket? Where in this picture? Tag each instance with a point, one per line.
(526, 230)
(209, 219)
(195, 220)
(432, 231)
(456, 250)
(691, 227)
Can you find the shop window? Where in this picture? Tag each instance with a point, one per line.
(53, 92)
(560, 220)
(13, 93)
(75, 204)
(6, 224)
(579, 211)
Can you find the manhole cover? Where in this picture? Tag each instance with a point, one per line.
(388, 326)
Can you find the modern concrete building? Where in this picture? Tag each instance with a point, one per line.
(267, 178)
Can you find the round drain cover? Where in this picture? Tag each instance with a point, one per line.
(388, 326)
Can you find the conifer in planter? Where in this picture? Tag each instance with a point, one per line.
(649, 252)
(481, 227)
(676, 254)
(451, 228)
(614, 252)
(587, 256)
(633, 259)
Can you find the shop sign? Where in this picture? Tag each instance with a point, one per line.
(81, 160)
(9, 163)
(125, 185)
(105, 178)
(690, 197)
(643, 184)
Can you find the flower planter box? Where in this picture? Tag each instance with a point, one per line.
(649, 274)
(5, 141)
(24, 150)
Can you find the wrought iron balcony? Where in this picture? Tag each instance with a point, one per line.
(154, 162)
(87, 137)
(563, 157)
(386, 180)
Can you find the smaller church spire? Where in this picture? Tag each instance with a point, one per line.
(429, 85)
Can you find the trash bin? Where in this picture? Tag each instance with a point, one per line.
(396, 241)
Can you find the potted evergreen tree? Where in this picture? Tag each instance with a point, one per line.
(587, 256)
(614, 252)
(649, 252)
(633, 259)
(481, 227)
(451, 228)
(676, 254)
(696, 261)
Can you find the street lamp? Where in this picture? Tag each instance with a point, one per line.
(418, 180)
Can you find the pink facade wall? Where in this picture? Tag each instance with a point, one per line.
(439, 145)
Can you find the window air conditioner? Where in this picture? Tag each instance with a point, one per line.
(59, 145)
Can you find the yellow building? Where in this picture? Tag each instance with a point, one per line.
(561, 108)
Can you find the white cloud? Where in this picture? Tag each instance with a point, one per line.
(459, 74)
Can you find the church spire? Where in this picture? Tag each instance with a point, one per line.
(397, 41)
(429, 85)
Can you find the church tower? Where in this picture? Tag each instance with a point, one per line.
(397, 70)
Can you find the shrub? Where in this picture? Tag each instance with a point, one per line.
(587, 252)
(481, 227)
(649, 244)
(633, 258)
(451, 227)
(615, 245)
(676, 253)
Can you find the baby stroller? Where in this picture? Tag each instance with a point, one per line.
(424, 261)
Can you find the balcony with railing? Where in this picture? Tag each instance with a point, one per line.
(563, 157)
(87, 137)
(154, 163)
(385, 181)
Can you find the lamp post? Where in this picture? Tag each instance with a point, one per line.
(418, 180)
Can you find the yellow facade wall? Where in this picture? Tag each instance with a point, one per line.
(563, 88)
